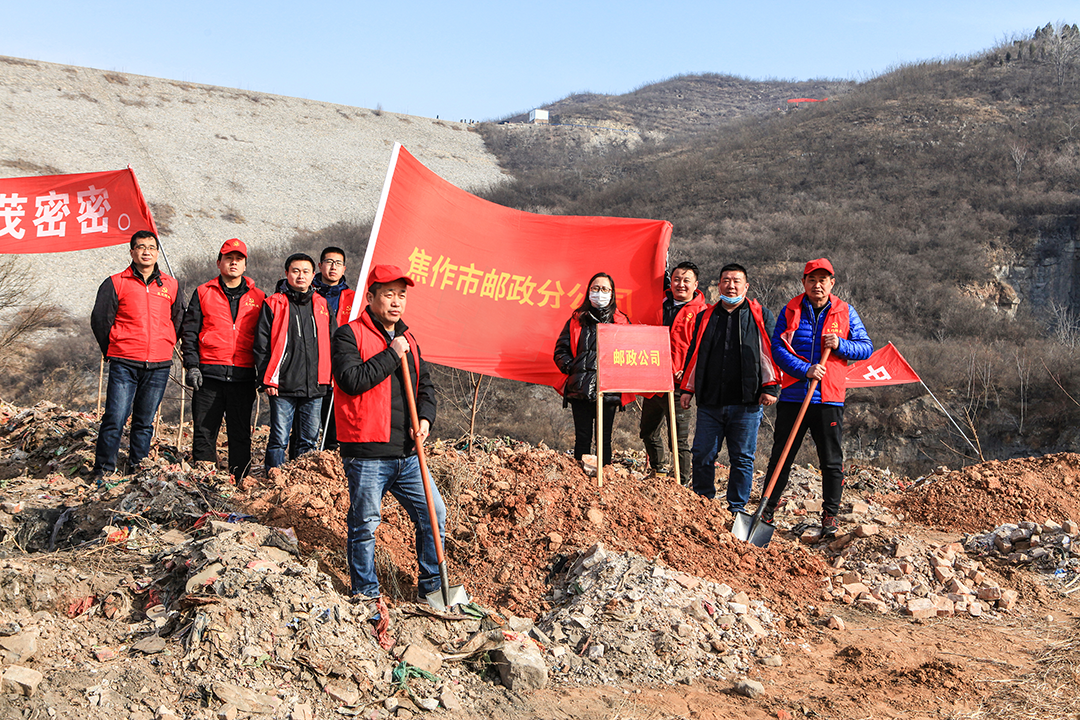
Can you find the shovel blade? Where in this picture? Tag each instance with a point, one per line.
(752, 529)
(455, 595)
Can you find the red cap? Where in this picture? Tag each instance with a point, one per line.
(234, 245)
(387, 274)
(819, 264)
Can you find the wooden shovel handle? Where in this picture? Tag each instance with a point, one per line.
(432, 517)
(794, 429)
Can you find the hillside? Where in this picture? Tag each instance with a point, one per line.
(945, 194)
(213, 162)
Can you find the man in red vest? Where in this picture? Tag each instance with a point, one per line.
(292, 358)
(811, 322)
(136, 319)
(679, 313)
(731, 375)
(375, 432)
(331, 283)
(218, 349)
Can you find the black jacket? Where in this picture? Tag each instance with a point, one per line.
(712, 349)
(298, 375)
(579, 364)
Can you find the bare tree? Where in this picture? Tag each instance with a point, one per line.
(1018, 151)
(23, 311)
(1062, 45)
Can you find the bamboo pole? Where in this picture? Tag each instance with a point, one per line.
(674, 437)
(599, 439)
(180, 427)
(100, 378)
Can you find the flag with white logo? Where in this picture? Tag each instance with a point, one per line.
(885, 367)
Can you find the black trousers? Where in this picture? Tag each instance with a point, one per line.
(826, 425)
(209, 404)
(584, 421)
(655, 433)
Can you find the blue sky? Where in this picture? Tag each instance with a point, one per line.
(482, 60)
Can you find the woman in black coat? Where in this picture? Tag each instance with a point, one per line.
(575, 356)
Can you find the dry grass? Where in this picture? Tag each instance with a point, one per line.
(1047, 693)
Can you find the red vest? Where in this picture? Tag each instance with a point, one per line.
(344, 308)
(222, 340)
(836, 322)
(143, 329)
(279, 336)
(366, 417)
(770, 373)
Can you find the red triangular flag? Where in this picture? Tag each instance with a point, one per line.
(885, 367)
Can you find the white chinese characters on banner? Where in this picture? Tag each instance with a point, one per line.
(877, 373)
(93, 204)
(11, 214)
(51, 210)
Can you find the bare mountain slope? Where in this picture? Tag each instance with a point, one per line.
(213, 162)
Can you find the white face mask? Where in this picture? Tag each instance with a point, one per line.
(600, 299)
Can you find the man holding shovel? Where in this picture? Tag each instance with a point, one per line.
(374, 428)
(810, 323)
(732, 375)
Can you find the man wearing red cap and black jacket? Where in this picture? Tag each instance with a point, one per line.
(218, 350)
(811, 322)
(135, 319)
(375, 432)
(292, 358)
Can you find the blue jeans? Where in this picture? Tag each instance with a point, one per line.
(738, 424)
(136, 392)
(282, 410)
(369, 480)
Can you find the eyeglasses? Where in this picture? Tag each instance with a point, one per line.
(599, 288)
(144, 248)
(334, 263)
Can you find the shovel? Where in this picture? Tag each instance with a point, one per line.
(751, 527)
(448, 595)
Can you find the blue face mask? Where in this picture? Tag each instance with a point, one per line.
(732, 301)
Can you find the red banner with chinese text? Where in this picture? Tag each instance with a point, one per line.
(633, 359)
(494, 286)
(885, 367)
(60, 213)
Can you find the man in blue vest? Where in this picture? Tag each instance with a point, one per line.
(809, 323)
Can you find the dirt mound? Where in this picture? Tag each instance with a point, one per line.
(983, 496)
(517, 514)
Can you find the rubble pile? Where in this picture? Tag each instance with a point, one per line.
(994, 493)
(1047, 545)
(46, 439)
(514, 513)
(621, 618)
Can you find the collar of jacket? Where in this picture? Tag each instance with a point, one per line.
(155, 274)
(329, 290)
(400, 328)
(295, 296)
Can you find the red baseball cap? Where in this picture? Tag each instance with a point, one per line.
(234, 245)
(387, 274)
(819, 264)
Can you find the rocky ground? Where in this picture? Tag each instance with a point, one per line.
(174, 592)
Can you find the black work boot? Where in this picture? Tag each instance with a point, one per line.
(829, 527)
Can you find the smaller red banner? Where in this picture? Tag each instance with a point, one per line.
(60, 213)
(885, 367)
(633, 359)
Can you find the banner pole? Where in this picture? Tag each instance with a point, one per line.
(369, 252)
(599, 439)
(962, 434)
(180, 427)
(100, 378)
(674, 437)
